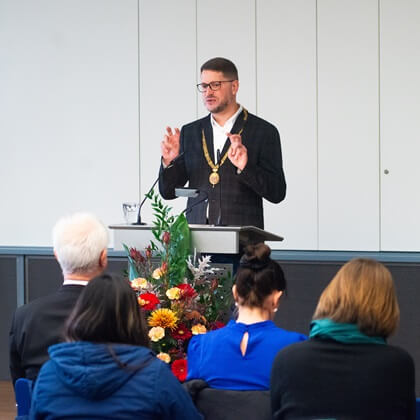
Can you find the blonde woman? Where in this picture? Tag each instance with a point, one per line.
(347, 370)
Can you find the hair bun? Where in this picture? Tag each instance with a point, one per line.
(256, 257)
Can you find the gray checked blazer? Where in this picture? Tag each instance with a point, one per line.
(237, 196)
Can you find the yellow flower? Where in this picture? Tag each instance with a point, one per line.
(139, 283)
(164, 318)
(198, 329)
(157, 274)
(164, 357)
(173, 293)
(156, 333)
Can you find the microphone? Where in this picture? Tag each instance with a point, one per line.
(189, 208)
(146, 196)
(219, 217)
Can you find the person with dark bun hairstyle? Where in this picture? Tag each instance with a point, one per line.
(239, 356)
(105, 369)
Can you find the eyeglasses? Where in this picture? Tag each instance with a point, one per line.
(202, 87)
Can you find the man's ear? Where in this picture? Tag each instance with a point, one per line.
(235, 87)
(55, 255)
(103, 259)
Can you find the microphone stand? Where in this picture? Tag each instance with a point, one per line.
(146, 196)
(188, 209)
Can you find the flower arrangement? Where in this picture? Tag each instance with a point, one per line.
(180, 294)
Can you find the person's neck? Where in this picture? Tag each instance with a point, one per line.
(223, 116)
(82, 277)
(249, 315)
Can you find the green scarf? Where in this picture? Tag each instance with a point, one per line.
(341, 332)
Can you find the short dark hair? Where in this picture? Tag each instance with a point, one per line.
(258, 276)
(223, 65)
(107, 311)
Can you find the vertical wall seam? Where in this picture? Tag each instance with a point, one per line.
(196, 54)
(20, 280)
(379, 129)
(317, 123)
(138, 93)
(256, 55)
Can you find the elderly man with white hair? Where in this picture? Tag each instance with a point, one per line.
(80, 246)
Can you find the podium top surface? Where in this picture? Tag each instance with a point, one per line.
(246, 233)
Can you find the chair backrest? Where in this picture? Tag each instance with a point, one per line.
(417, 408)
(23, 394)
(217, 404)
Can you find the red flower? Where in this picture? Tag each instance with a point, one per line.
(136, 255)
(164, 267)
(216, 325)
(182, 332)
(166, 237)
(187, 291)
(148, 301)
(179, 369)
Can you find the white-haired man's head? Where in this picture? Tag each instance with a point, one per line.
(80, 245)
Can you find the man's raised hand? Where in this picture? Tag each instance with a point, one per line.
(238, 153)
(170, 145)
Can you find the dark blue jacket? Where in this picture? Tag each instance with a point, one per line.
(82, 380)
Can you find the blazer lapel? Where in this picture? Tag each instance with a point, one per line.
(208, 132)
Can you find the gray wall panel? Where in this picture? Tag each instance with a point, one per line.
(8, 301)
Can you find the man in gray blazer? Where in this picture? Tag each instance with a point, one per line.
(80, 246)
(231, 156)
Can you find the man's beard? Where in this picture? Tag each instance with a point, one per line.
(222, 106)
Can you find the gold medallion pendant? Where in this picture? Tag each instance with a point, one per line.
(214, 178)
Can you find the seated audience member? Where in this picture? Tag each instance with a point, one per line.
(80, 246)
(105, 369)
(239, 356)
(347, 370)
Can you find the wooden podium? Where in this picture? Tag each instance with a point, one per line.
(206, 239)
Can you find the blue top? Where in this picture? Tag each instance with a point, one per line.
(216, 356)
(82, 380)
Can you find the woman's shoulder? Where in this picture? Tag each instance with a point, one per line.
(292, 336)
(396, 353)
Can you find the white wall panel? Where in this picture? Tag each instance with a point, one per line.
(286, 96)
(167, 81)
(348, 124)
(68, 113)
(227, 29)
(400, 125)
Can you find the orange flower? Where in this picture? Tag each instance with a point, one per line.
(198, 329)
(164, 357)
(164, 318)
(156, 333)
(139, 283)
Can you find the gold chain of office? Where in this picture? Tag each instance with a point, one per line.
(214, 177)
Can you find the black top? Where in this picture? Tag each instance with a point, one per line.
(35, 327)
(326, 379)
(239, 196)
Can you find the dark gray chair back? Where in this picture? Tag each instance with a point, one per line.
(220, 404)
